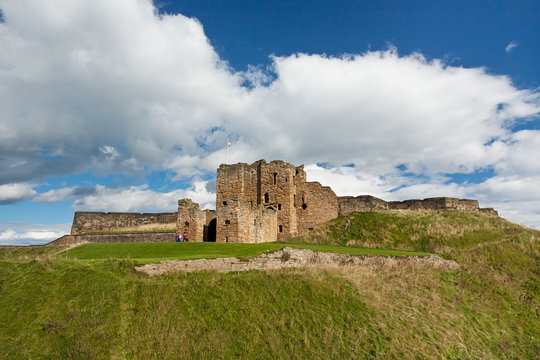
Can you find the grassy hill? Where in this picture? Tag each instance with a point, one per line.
(66, 305)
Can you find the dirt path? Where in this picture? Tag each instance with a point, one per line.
(288, 258)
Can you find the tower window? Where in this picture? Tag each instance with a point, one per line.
(225, 203)
(304, 206)
(275, 178)
(266, 198)
(187, 223)
(279, 206)
(280, 228)
(227, 222)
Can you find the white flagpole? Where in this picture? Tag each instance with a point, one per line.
(228, 146)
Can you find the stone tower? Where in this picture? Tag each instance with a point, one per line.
(268, 202)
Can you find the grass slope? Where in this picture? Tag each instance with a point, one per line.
(53, 306)
(151, 252)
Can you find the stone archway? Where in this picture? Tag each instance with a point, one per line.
(210, 231)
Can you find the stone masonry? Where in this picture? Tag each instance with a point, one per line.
(194, 222)
(269, 201)
(102, 222)
(363, 203)
(257, 202)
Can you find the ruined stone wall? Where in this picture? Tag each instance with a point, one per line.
(239, 222)
(257, 224)
(86, 222)
(350, 204)
(246, 192)
(440, 203)
(261, 184)
(228, 219)
(459, 204)
(191, 220)
(489, 211)
(277, 193)
(114, 238)
(316, 205)
(210, 215)
(266, 228)
(238, 179)
(256, 203)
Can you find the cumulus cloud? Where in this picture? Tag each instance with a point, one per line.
(12, 193)
(117, 87)
(64, 194)
(513, 44)
(123, 88)
(133, 198)
(514, 197)
(30, 234)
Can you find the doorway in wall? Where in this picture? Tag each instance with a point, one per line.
(210, 231)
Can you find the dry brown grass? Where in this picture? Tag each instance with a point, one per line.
(420, 316)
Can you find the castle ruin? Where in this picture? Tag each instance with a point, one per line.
(261, 202)
(258, 203)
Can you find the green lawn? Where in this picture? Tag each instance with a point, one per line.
(151, 252)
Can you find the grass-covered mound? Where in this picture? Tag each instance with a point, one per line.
(60, 307)
(152, 252)
(433, 231)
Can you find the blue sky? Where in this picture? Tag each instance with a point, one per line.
(465, 33)
(127, 106)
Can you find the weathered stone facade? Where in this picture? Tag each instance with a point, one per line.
(114, 238)
(349, 204)
(268, 202)
(260, 202)
(194, 222)
(439, 203)
(95, 222)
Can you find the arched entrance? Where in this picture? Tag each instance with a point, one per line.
(210, 231)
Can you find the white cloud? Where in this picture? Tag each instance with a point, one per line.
(57, 195)
(12, 193)
(31, 234)
(118, 82)
(513, 44)
(123, 89)
(117, 87)
(133, 198)
(515, 198)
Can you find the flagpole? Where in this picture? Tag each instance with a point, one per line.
(228, 146)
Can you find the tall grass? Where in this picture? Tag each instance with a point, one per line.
(56, 307)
